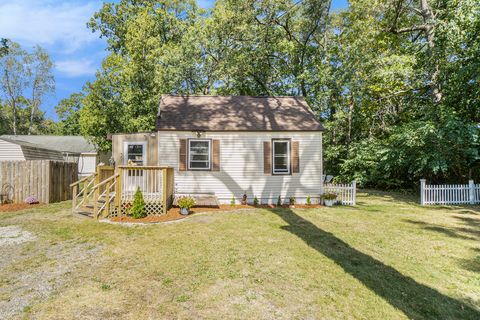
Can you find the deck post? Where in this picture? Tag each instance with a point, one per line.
(164, 190)
(74, 196)
(95, 203)
(118, 190)
(107, 203)
(471, 191)
(422, 191)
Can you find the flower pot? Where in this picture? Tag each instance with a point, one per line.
(329, 203)
(184, 211)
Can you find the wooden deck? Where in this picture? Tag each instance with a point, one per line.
(201, 199)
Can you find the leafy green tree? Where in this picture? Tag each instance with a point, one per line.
(68, 111)
(3, 47)
(387, 77)
(26, 78)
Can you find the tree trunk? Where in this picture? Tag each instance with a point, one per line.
(428, 18)
(32, 114)
(14, 111)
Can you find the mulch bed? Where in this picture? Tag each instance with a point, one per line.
(11, 207)
(174, 212)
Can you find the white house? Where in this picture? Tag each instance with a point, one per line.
(229, 146)
(44, 147)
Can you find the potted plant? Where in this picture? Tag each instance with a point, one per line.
(185, 203)
(291, 202)
(244, 199)
(255, 201)
(329, 198)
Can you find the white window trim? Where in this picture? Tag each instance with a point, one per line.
(288, 157)
(209, 155)
(125, 151)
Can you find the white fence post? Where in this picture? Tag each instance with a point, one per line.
(422, 191)
(471, 191)
(354, 192)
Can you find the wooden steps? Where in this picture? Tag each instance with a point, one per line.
(87, 210)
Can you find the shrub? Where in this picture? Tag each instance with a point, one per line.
(31, 200)
(138, 207)
(232, 201)
(329, 196)
(186, 202)
(255, 201)
(279, 201)
(309, 200)
(291, 201)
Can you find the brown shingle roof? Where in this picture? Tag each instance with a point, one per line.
(235, 113)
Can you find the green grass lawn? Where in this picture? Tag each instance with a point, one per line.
(386, 258)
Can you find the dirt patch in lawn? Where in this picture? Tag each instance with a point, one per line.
(174, 212)
(14, 235)
(11, 207)
(32, 274)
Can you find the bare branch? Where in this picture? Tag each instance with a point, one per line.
(422, 27)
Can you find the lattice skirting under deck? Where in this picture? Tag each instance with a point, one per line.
(152, 208)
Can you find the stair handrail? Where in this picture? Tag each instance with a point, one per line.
(82, 180)
(97, 196)
(98, 185)
(109, 198)
(77, 193)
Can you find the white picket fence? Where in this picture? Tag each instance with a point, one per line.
(449, 193)
(346, 192)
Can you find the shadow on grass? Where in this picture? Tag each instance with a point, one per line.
(414, 299)
(413, 198)
(451, 232)
(469, 231)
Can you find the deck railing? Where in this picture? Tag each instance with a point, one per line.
(110, 191)
(156, 184)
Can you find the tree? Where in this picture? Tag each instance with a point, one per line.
(41, 80)
(144, 38)
(14, 79)
(3, 47)
(25, 80)
(387, 77)
(68, 111)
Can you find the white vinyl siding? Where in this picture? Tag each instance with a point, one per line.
(87, 163)
(10, 151)
(241, 166)
(32, 153)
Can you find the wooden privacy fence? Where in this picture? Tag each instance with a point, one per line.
(346, 192)
(449, 193)
(49, 181)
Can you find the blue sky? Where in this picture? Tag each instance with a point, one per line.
(59, 26)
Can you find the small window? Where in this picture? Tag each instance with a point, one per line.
(199, 154)
(281, 156)
(135, 152)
